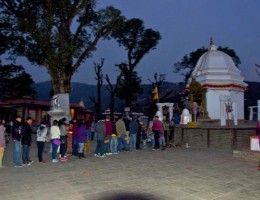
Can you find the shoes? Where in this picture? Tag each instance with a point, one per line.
(96, 155)
(18, 165)
(43, 162)
(258, 167)
(63, 159)
(27, 163)
(30, 161)
(103, 156)
(153, 149)
(55, 160)
(115, 153)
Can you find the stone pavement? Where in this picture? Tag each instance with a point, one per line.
(174, 174)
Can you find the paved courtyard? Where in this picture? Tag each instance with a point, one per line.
(175, 174)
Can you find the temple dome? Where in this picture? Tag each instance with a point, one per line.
(217, 68)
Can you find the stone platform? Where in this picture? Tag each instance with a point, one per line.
(247, 155)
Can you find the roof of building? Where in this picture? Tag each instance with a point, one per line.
(217, 68)
(30, 101)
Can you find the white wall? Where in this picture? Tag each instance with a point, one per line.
(213, 102)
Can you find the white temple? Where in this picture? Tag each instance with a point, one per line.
(216, 72)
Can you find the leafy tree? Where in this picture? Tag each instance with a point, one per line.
(15, 82)
(188, 62)
(138, 42)
(129, 86)
(58, 35)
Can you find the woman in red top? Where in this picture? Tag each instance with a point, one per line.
(157, 129)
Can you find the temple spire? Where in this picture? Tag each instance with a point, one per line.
(211, 45)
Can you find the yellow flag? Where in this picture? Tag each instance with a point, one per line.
(155, 93)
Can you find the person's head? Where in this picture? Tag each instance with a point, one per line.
(29, 120)
(18, 118)
(55, 122)
(156, 117)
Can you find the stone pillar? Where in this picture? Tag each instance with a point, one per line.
(159, 107)
(234, 112)
(222, 99)
(170, 110)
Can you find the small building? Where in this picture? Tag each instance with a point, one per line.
(37, 109)
(215, 82)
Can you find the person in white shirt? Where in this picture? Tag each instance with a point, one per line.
(55, 140)
(41, 138)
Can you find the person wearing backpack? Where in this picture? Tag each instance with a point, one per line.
(42, 132)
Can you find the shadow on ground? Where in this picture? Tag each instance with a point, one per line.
(129, 196)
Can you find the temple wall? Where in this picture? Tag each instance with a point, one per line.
(219, 138)
(213, 102)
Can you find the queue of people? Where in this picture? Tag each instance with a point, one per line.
(125, 134)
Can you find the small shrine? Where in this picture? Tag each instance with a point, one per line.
(217, 86)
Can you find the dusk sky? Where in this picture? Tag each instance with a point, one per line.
(184, 25)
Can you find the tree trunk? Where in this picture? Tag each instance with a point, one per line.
(61, 83)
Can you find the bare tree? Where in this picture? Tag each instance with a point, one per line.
(112, 89)
(99, 77)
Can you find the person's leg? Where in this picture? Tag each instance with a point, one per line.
(156, 139)
(133, 142)
(119, 144)
(15, 151)
(108, 145)
(54, 150)
(74, 146)
(80, 150)
(2, 149)
(101, 147)
(24, 153)
(97, 151)
(40, 150)
(28, 154)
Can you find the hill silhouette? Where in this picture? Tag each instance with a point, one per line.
(169, 92)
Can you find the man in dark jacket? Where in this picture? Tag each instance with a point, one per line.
(16, 135)
(134, 129)
(26, 141)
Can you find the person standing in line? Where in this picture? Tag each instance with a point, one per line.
(63, 139)
(133, 130)
(157, 129)
(17, 136)
(75, 137)
(101, 131)
(258, 127)
(42, 132)
(109, 131)
(139, 133)
(166, 130)
(2, 142)
(27, 141)
(121, 134)
(55, 139)
(113, 144)
(81, 138)
(92, 130)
